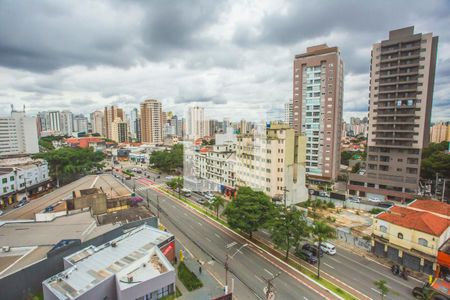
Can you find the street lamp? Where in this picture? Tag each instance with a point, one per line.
(229, 246)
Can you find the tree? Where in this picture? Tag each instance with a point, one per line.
(288, 227)
(216, 203)
(176, 184)
(321, 232)
(66, 163)
(435, 160)
(381, 286)
(168, 160)
(356, 167)
(250, 210)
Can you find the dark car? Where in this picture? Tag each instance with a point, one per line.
(307, 256)
(312, 249)
(385, 204)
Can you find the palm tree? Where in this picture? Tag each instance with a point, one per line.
(216, 203)
(322, 232)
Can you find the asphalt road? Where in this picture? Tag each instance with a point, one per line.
(249, 267)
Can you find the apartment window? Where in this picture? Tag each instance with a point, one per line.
(4, 180)
(383, 228)
(400, 235)
(423, 242)
(11, 178)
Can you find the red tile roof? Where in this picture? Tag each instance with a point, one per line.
(417, 220)
(432, 206)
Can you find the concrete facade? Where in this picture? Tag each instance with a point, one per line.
(18, 134)
(401, 93)
(151, 122)
(317, 105)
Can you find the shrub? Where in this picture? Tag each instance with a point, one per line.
(331, 204)
(376, 211)
(188, 278)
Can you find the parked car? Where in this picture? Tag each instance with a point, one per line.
(313, 249)
(208, 195)
(374, 199)
(385, 204)
(307, 256)
(21, 203)
(327, 248)
(169, 177)
(354, 199)
(324, 194)
(186, 192)
(200, 200)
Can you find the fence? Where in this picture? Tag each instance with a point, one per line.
(345, 235)
(26, 282)
(352, 205)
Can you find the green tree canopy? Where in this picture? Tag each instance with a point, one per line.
(216, 203)
(435, 160)
(176, 184)
(288, 227)
(168, 160)
(382, 287)
(66, 162)
(250, 210)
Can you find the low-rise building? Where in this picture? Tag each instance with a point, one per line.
(131, 266)
(412, 235)
(21, 176)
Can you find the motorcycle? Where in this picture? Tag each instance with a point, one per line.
(399, 271)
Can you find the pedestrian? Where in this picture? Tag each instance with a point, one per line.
(200, 270)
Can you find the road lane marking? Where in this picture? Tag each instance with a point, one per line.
(173, 206)
(331, 267)
(185, 214)
(208, 239)
(199, 223)
(270, 273)
(334, 259)
(376, 291)
(218, 236)
(259, 278)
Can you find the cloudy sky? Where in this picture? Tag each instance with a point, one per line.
(234, 57)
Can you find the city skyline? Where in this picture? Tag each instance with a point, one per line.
(248, 69)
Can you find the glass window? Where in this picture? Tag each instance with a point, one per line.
(400, 235)
(423, 242)
(4, 180)
(383, 228)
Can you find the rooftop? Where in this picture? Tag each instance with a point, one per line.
(131, 255)
(423, 221)
(432, 206)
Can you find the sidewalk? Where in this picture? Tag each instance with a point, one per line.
(211, 288)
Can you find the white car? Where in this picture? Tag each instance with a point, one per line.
(374, 200)
(327, 248)
(354, 199)
(324, 194)
(209, 195)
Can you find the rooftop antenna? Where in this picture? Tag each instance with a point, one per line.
(12, 107)
(24, 108)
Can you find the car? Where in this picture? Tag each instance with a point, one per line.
(21, 203)
(200, 200)
(374, 199)
(327, 248)
(354, 199)
(324, 194)
(208, 195)
(385, 204)
(186, 192)
(307, 256)
(312, 249)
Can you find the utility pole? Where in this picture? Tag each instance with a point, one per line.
(443, 189)
(157, 204)
(269, 289)
(227, 257)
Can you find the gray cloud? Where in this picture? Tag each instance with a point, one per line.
(83, 55)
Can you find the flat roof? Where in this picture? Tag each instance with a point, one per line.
(123, 256)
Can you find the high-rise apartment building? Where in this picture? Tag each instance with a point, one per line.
(317, 106)
(151, 122)
(134, 116)
(440, 132)
(119, 131)
(289, 114)
(110, 114)
(97, 122)
(401, 93)
(66, 122)
(54, 121)
(18, 134)
(80, 123)
(197, 125)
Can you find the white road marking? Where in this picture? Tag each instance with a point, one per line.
(259, 278)
(185, 214)
(173, 206)
(334, 259)
(209, 240)
(375, 290)
(218, 236)
(304, 298)
(199, 223)
(270, 273)
(331, 267)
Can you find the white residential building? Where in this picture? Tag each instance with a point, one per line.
(18, 134)
(97, 122)
(131, 266)
(289, 114)
(66, 122)
(197, 125)
(54, 121)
